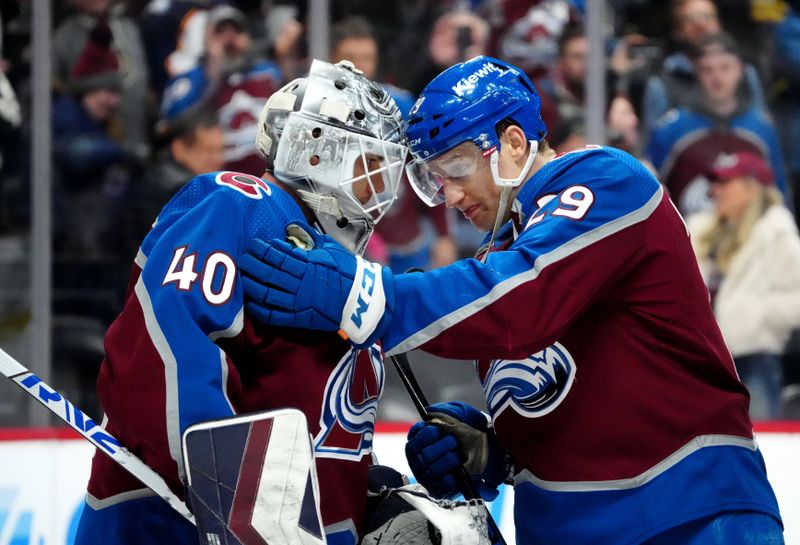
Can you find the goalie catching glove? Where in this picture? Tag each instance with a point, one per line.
(457, 434)
(315, 283)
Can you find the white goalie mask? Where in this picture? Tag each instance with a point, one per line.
(336, 138)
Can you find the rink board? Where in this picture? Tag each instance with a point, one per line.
(43, 477)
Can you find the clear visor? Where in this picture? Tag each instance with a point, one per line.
(427, 176)
(362, 173)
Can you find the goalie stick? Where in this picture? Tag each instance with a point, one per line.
(403, 368)
(291, 517)
(83, 424)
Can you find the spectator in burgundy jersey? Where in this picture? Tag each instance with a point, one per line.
(414, 235)
(749, 252)
(688, 139)
(232, 81)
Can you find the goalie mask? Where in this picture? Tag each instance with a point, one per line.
(335, 137)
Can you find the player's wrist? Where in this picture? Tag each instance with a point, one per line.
(500, 465)
(368, 310)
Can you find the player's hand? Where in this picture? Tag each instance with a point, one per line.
(457, 434)
(319, 285)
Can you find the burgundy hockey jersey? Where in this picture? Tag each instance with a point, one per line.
(606, 376)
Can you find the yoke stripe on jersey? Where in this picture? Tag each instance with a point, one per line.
(699, 442)
(110, 501)
(170, 373)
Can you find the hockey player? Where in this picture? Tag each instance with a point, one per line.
(183, 350)
(615, 408)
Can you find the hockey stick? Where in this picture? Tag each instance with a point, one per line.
(403, 367)
(80, 422)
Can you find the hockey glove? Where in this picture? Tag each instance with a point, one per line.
(457, 434)
(319, 286)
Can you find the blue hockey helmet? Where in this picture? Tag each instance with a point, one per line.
(465, 103)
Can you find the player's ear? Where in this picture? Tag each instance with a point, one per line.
(514, 143)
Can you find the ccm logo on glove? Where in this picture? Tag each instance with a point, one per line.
(365, 304)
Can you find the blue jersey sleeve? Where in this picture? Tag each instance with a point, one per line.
(189, 287)
(522, 298)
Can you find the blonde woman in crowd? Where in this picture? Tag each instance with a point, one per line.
(749, 253)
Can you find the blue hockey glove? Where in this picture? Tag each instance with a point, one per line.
(457, 434)
(315, 283)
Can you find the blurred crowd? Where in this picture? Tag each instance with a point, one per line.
(146, 94)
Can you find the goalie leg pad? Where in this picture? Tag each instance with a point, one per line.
(252, 480)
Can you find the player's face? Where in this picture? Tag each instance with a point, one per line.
(468, 184)
(369, 182)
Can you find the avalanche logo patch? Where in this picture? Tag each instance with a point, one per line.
(350, 405)
(533, 386)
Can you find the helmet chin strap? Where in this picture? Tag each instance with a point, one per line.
(353, 234)
(507, 184)
(325, 204)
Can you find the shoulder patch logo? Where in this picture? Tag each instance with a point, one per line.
(533, 386)
(247, 185)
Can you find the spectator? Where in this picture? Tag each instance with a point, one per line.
(68, 42)
(195, 145)
(749, 253)
(529, 34)
(92, 169)
(623, 127)
(414, 235)
(457, 35)
(725, 120)
(353, 39)
(532, 31)
(173, 32)
(676, 85)
(569, 78)
(92, 176)
(231, 81)
(786, 104)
